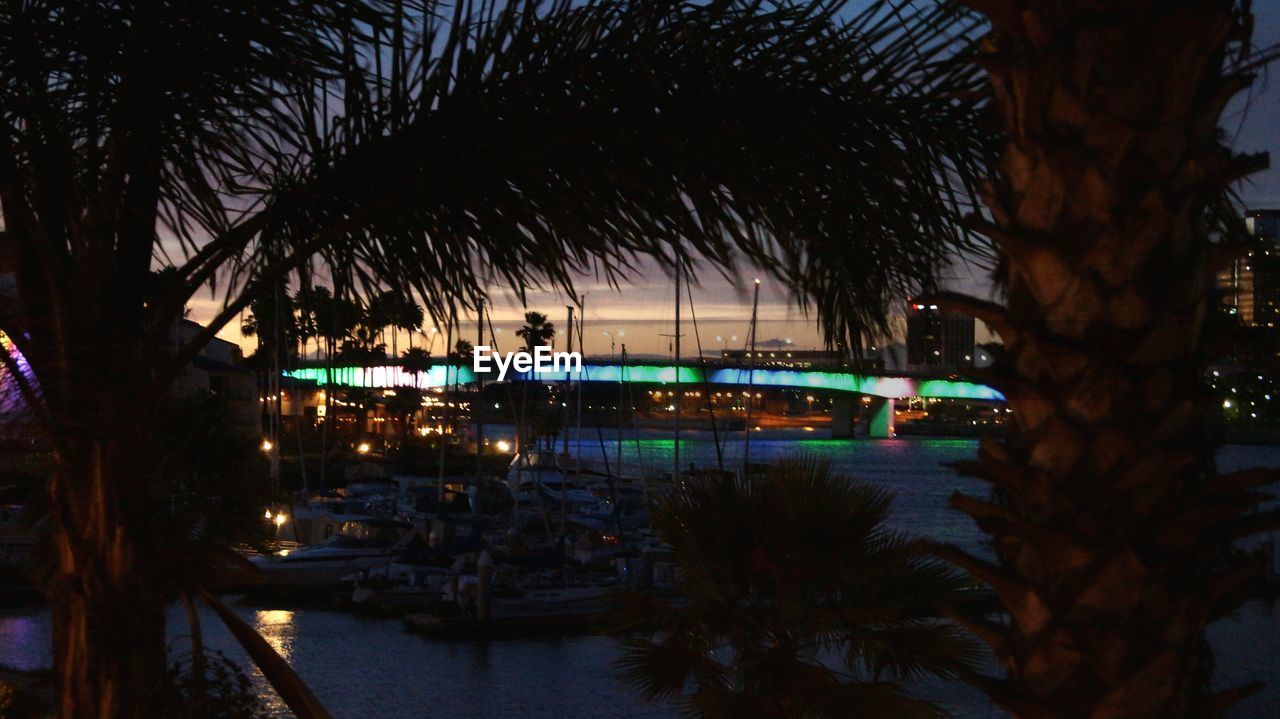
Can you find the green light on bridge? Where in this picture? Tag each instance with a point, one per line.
(872, 385)
(642, 374)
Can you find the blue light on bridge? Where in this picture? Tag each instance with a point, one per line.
(872, 385)
(643, 374)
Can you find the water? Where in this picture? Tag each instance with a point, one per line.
(370, 667)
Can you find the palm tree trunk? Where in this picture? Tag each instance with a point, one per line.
(1110, 527)
(108, 624)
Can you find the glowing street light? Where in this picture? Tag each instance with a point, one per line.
(503, 445)
(267, 446)
(363, 448)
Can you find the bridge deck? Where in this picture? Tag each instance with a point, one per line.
(875, 385)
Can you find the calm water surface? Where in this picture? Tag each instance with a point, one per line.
(371, 668)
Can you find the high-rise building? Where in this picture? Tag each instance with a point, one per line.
(1251, 284)
(937, 339)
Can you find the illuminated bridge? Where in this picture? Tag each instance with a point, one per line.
(884, 388)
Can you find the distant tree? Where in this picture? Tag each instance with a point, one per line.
(535, 419)
(409, 317)
(415, 359)
(536, 331)
(272, 322)
(462, 352)
(402, 407)
(382, 311)
(800, 603)
(307, 320)
(335, 317)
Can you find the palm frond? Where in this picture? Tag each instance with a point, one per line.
(785, 573)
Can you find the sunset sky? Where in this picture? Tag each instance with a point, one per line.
(643, 310)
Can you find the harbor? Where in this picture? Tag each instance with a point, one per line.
(356, 662)
(634, 360)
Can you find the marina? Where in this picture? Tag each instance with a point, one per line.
(357, 662)
(634, 360)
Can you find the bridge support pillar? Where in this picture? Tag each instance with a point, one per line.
(881, 424)
(844, 416)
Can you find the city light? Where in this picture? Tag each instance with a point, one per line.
(267, 445)
(363, 448)
(503, 445)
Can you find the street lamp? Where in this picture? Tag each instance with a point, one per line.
(613, 340)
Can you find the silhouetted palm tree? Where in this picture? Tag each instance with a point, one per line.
(1112, 529)
(415, 359)
(402, 407)
(801, 603)
(534, 420)
(409, 317)
(536, 331)
(270, 320)
(431, 150)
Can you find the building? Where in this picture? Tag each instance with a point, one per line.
(1251, 284)
(787, 358)
(784, 356)
(218, 370)
(938, 339)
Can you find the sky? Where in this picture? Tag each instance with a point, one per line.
(642, 310)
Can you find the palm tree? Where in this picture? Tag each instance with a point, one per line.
(811, 608)
(364, 344)
(305, 303)
(1113, 531)
(462, 351)
(409, 317)
(536, 332)
(271, 320)
(427, 149)
(402, 407)
(415, 359)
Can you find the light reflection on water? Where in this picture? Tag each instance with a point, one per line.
(276, 626)
(360, 667)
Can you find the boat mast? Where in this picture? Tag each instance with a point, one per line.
(582, 346)
(675, 456)
(622, 379)
(475, 406)
(564, 430)
(564, 433)
(447, 417)
(751, 377)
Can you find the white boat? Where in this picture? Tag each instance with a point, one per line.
(560, 602)
(544, 477)
(327, 563)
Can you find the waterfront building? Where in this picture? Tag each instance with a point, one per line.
(785, 356)
(218, 370)
(937, 339)
(1250, 285)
